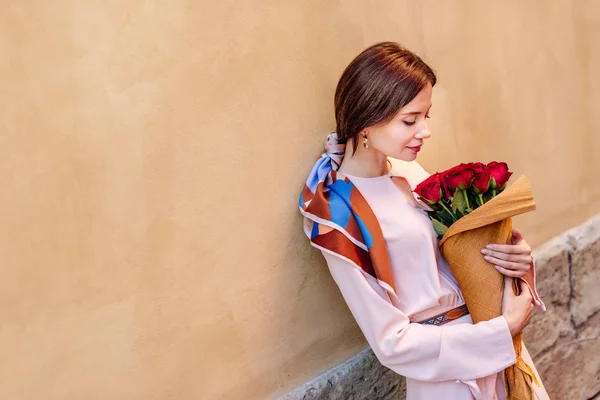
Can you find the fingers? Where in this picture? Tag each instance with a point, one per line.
(520, 255)
(528, 319)
(511, 273)
(516, 264)
(519, 249)
(525, 290)
(529, 313)
(510, 260)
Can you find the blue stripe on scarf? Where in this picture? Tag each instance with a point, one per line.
(315, 230)
(339, 202)
(365, 232)
(340, 208)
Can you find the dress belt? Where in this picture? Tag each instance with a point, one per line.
(447, 316)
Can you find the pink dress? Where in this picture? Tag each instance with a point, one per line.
(455, 361)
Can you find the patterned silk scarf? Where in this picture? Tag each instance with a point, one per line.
(338, 219)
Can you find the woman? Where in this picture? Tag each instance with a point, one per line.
(380, 246)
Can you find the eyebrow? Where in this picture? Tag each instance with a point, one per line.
(416, 112)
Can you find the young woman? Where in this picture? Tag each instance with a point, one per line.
(380, 246)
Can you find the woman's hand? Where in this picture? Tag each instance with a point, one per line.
(517, 310)
(512, 260)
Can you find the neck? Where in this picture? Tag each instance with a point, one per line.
(365, 163)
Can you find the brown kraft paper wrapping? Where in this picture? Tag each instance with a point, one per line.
(480, 283)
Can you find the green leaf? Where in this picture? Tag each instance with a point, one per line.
(446, 218)
(439, 228)
(458, 202)
(487, 196)
(441, 215)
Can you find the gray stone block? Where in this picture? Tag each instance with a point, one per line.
(585, 267)
(552, 270)
(546, 328)
(571, 369)
(553, 283)
(360, 378)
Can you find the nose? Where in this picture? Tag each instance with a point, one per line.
(424, 132)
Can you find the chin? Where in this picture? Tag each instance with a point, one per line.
(405, 157)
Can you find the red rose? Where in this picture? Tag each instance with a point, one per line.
(477, 167)
(481, 178)
(499, 171)
(445, 190)
(481, 182)
(430, 189)
(460, 175)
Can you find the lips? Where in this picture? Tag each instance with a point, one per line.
(416, 149)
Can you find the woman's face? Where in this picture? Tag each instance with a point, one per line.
(403, 136)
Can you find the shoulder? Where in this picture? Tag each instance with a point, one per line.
(412, 171)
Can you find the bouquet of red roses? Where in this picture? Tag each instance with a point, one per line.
(454, 193)
(471, 206)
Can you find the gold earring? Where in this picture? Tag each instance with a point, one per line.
(365, 142)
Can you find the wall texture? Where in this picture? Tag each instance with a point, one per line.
(152, 153)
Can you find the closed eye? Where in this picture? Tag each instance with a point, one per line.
(409, 123)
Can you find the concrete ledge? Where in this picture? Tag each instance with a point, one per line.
(361, 377)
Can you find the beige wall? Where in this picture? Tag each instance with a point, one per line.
(152, 154)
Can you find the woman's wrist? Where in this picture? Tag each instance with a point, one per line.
(512, 326)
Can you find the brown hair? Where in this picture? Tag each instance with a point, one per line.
(375, 86)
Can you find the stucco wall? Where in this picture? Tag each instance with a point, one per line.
(152, 153)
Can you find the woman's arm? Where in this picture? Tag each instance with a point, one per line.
(425, 353)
